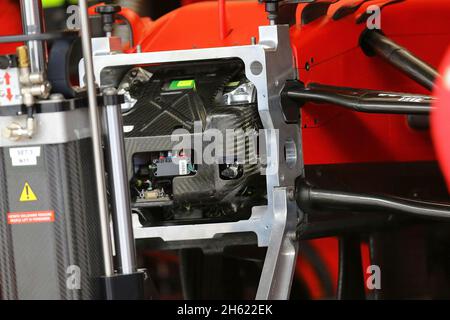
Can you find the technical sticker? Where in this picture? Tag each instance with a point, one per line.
(24, 156)
(31, 217)
(27, 194)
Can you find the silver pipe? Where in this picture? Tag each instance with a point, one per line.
(32, 23)
(120, 191)
(96, 139)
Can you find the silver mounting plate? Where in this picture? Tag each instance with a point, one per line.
(268, 65)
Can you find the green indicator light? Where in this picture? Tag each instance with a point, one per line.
(52, 3)
(232, 84)
(182, 84)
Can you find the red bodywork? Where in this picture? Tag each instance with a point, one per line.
(440, 119)
(328, 52)
(10, 19)
(331, 135)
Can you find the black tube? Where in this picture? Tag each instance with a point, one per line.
(308, 197)
(37, 37)
(415, 68)
(369, 101)
(332, 223)
(350, 284)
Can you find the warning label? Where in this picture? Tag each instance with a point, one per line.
(9, 87)
(31, 217)
(27, 194)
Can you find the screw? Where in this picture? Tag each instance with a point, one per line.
(290, 193)
(110, 91)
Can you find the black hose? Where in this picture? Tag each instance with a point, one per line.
(308, 197)
(350, 285)
(415, 68)
(368, 101)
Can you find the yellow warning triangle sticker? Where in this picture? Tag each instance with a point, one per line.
(27, 194)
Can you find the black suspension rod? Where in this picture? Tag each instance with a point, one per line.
(350, 276)
(415, 68)
(369, 101)
(38, 36)
(309, 197)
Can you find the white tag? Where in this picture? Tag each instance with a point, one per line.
(24, 156)
(182, 167)
(128, 129)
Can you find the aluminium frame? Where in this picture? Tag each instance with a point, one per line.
(268, 65)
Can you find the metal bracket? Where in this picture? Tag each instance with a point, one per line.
(268, 65)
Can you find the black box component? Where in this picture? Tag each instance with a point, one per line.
(49, 228)
(8, 61)
(171, 169)
(125, 286)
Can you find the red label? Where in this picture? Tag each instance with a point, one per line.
(31, 217)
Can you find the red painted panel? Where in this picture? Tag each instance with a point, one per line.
(341, 136)
(440, 119)
(10, 24)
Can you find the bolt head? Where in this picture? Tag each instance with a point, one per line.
(7, 133)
